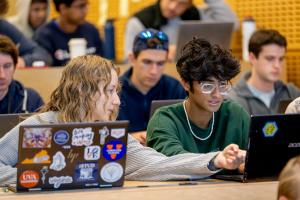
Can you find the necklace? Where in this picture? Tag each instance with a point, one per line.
(212, 125)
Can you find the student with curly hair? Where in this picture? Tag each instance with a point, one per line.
(204, 122)
(88, 92)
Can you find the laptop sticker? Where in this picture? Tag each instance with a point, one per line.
(86, 172)
(117, 132)
(41, 157)
(58, 161)
(92, 152)
(72, 156)
(104, 132)
(61, 137)
(111, 172)
(114, 150)
(57, 181)
(37, 138)
(29, 179)
(270, 129)
(82, 136)
(44, 171)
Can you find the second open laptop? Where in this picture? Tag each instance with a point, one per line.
(71, 156)
(9, 121)
(215, 32)
(273, 140)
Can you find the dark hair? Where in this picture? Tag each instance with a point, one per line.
(289, 180)
(201, 60)
(57, 3)
(150, 39)
(39, 1)
(261, 38)
(7, 47)
(3, 7)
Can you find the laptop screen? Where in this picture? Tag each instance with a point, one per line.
(273, 140)
(71, 155)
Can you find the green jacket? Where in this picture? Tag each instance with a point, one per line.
(168, 131)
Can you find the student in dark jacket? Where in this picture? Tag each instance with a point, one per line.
(71, 23)
(29, 51)
(14, 97)
(145, 82)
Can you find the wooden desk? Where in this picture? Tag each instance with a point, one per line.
(45, 80)
(161, 190)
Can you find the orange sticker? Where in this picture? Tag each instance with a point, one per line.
(29, 179)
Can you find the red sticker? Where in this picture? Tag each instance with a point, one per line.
(29, 179)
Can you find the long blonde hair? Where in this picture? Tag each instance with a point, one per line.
(289, 180)
(73, 98)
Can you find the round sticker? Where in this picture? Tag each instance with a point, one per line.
(29, 178)
(61, 137)
(111, 172)
(114, 150)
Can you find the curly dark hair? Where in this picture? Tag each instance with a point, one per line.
(201, 60)
(7, 47)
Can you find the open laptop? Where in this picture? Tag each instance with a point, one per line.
(215, 32)
(155, 104)
(71, 156)
(9, 121)
(273, 140)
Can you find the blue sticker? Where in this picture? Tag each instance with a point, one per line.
(86, 172)
(270, 129)
(61, 137)
(114, 150)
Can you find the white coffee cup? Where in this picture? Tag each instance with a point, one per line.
(77, 47)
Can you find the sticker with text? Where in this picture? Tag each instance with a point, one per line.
(29, 179)
(270, 129)
(41, 157)
(92, 152)
(104, 132)
(61, 137)
(58, 161)
(86, 172)
(37, 138)
(111, 172)
(57, 181)
(117, 132)
(114, 150)
(82, 136)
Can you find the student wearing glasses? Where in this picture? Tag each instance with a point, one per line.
(204, 122)
(145, 82)
(88, 92)
(71, 23)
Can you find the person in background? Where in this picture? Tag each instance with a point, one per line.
(14, 97)
(289, 181)
(30, 15)
(165, 15)
(204, 122)
(88, 92)
(261, 90)
(29, 51)
(145, 82)
(293, 107)
(55, 35)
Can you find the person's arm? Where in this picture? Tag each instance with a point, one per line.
(144, 163)
(133, 27)
(9, 157)
(218, 10)
(140, 136)
(28, 49)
